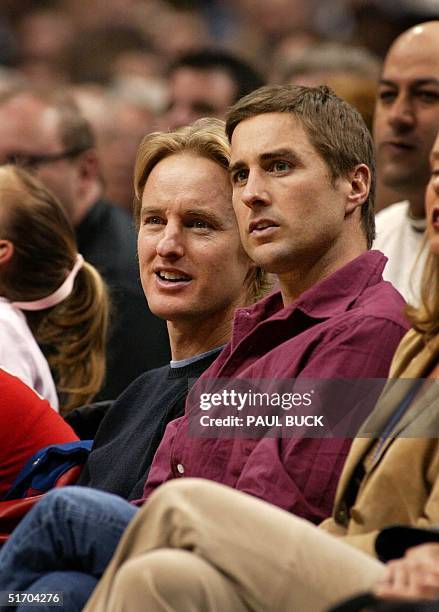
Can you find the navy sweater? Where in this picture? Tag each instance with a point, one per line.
(132, 429)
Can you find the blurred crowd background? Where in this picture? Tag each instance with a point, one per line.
(118, 57)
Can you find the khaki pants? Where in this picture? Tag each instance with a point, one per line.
(203, 547)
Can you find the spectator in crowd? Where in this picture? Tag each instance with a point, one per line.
(49, 296)
(287, 51)
(376, 23)
(352, 72)
(405, 126)
(95, 52)
(262, 27)
(327, 60)
(120, 118)
(43, 33)
(191, 233)
(206, 83)
(189, 31)
(306, 214)
(46, 133)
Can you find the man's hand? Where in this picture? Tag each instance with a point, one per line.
(415, 576)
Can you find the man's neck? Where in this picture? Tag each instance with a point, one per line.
(309, 272)
(189, 338)
(416, 205)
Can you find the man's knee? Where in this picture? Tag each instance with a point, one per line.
(67, 495)
(173, 575)
(184, 489)
(57, 498)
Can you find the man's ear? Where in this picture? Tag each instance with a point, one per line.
(6, 251)
(88, 165)
(360, 179)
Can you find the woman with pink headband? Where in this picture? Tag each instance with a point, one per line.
(49, 297)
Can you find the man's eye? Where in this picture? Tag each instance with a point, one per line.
(239, 176)
(428, 96)
(199, 224)
(153, 220)
(386, 95)
(280, 166)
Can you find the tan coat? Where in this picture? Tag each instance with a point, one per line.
(401, 484)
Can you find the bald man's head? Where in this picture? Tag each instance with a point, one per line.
(407, 112)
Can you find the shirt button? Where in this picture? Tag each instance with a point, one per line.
(341, 516)
(180, 468)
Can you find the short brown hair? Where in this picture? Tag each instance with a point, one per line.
(73, 331)
(335, 129)
(206, 138)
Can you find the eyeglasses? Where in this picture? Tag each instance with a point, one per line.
(32, 162)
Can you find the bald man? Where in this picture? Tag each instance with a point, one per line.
(405, 127)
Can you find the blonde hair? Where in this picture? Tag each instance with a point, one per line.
(72, 333)
(425, 318)
(206, 138)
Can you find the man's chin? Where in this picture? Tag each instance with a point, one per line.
(274, 264)
(398, 176)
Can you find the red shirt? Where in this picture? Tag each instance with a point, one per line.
(27, 424)
(346, 326)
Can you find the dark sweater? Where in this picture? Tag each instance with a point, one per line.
(132, 429)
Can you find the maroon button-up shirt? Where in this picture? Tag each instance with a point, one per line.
(346, 326)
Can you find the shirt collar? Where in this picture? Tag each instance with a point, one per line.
(329, 296)
(419, 225)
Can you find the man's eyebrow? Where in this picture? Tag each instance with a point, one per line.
(264, 157)
(428, 81)
(387, 83)
(238, 165)
(150, 210)
(202, 213)
(277, 153)
(414, 83)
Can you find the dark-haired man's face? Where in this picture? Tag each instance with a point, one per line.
(291, 215)
(407, 110)
(198, 93)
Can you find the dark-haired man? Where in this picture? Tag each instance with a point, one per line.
(206, 83)
(405, 127)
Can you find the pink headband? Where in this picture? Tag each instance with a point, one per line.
(57, 296)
